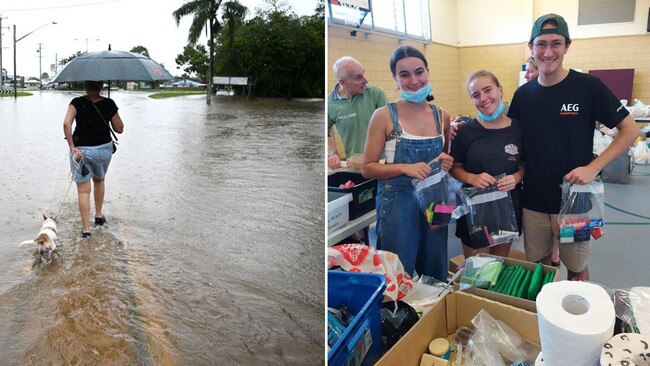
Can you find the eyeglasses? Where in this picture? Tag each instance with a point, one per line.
(542, 46)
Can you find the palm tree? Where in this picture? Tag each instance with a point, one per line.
(205, 12)
(233, 15)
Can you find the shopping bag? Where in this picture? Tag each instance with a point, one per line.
(491, 219)
(581, 211)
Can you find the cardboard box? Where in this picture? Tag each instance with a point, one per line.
(507, 299)
(457, 309)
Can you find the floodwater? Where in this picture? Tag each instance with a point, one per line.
(213, 250)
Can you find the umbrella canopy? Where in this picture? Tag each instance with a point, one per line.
(112, 65)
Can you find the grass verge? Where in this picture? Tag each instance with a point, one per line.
(20, 94)
(163, 95)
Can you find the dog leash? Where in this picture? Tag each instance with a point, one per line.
(78, 165)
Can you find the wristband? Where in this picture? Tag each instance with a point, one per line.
(331, 153)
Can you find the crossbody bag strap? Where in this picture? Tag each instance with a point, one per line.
(102, 117)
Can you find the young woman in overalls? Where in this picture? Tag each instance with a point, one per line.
(411, 132)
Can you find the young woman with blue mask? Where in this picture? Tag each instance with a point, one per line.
(410, 132)
(486, 147)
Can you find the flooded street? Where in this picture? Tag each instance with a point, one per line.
(213, 250)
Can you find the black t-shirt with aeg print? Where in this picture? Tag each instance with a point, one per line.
(89, 129)
(558, 128)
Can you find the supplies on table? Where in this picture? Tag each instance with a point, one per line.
(601, 141)
(641, 152)
(438, 196)
(632, 308)
(639, 109)
(491, 218)
(575, 319)
(493, 342)
(426, 292)
(449, 319)
(480, 272)
(364, 191)
(506, 280)
(581, 211)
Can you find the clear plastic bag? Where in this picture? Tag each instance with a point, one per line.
(632, 307)
(581, 212)
(641, 153)
(491, 219)
(426, 292)
(504, 339)
(438, 197)
(479, 271)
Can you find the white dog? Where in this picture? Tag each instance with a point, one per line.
(46, 239)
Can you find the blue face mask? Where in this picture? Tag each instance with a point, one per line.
(494, 116)
(417, 96)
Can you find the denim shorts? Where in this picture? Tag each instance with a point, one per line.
(96, 159)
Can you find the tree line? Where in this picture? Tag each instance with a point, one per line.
(282, 54)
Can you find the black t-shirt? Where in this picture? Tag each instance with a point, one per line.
(89, 129)
(558, 129)
(492, 151)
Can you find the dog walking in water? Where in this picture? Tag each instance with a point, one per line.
(46, 240)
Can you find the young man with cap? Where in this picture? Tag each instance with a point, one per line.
(558, 111)
(349, 108)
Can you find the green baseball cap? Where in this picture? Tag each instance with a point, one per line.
(561, 27)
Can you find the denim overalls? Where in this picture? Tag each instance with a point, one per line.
(401, 226)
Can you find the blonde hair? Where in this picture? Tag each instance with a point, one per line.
(481, 73)
(531, 59)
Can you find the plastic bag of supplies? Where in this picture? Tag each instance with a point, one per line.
(438, 196)
(491, 219)
(581, 212)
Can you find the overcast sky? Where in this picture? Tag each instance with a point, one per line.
(96, 23)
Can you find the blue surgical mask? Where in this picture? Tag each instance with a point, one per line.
(493, 117)
(417, 96)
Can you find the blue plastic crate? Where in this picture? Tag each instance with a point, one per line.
(360, 344)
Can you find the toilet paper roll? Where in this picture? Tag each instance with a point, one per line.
(575, 320)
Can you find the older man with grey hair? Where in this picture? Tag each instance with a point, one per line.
(349, 108)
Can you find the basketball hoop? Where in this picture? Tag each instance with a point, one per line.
(351, 12)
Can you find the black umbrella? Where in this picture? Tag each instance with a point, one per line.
(113, 65)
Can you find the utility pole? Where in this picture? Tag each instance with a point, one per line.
(40, 72)
(2, 75)
(16, 41)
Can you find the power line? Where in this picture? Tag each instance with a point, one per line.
(64, 6)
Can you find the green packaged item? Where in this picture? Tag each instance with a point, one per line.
(480, 272)
(536, 282)
(518, 280)
(523, 284)
(522, 292)
(513, 281)
(502, 277)
(548, 277)
(506, 278)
